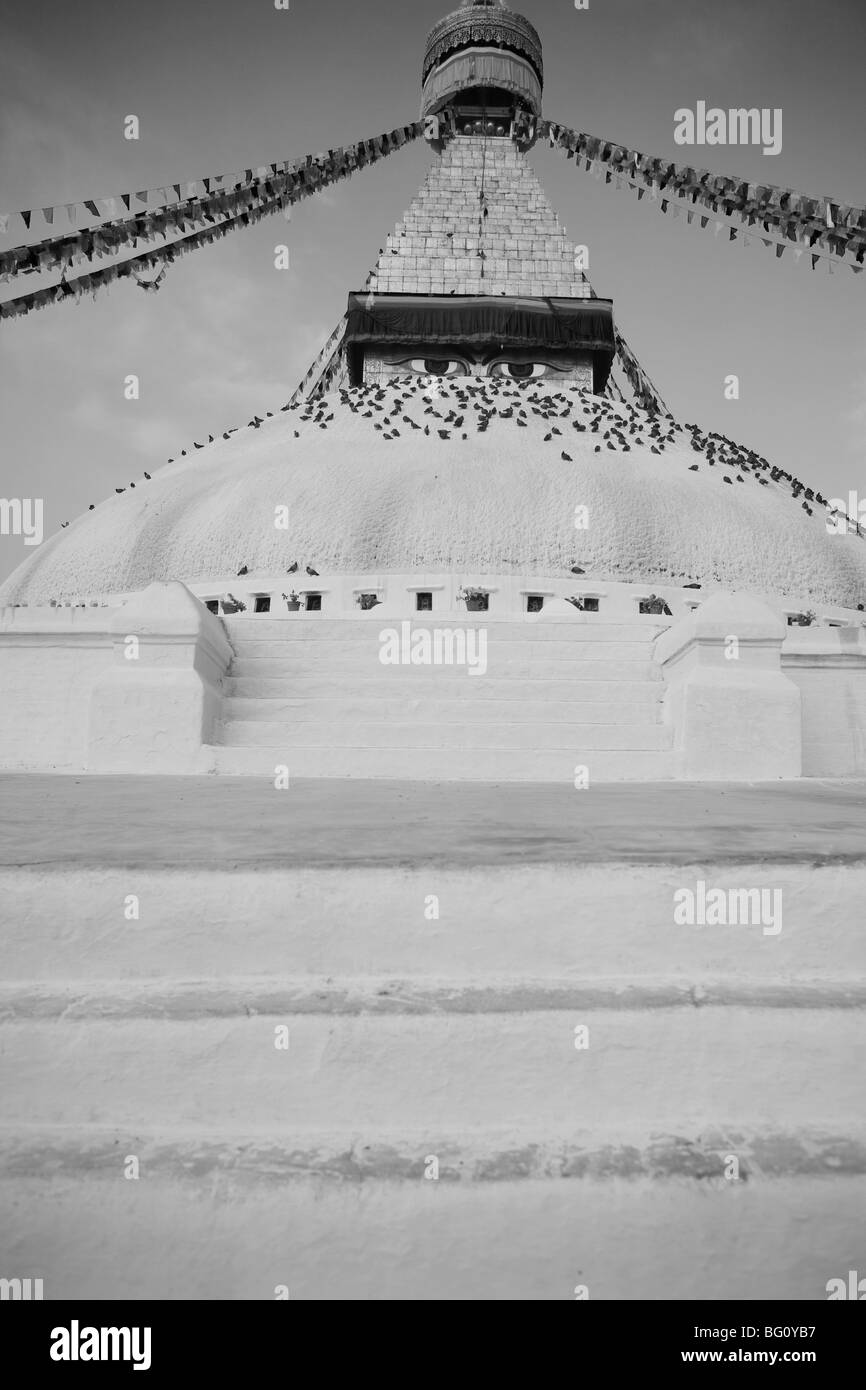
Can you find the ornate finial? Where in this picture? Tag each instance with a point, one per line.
(468, 50)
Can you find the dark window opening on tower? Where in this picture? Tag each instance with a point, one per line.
(314, 603)
(263, 603)
(534, 603)
(212, 605)
(424, 603)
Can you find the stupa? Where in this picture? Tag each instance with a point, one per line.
(271, 1036)
(466, 454)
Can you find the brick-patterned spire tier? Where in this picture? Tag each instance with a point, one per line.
(436, 248)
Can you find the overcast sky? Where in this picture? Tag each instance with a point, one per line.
(221, 84)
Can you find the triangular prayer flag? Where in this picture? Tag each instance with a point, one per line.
(125, 199)
(142, 196)
(705, 221)
(25, 218)
(48, 214)
(176, 187)
(780, 251)
(732, 234)
(4, 222)
(690, 216)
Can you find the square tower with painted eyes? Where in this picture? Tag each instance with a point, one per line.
(479, 277)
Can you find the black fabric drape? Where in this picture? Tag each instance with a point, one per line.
(455, 319)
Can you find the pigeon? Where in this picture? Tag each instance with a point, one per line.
(566, 457)
(444, 434)
(132, 484)
(575, 569)
(691, 586)
(293, 569)
(693, 468)
(147, 475)
(120, 489)
(243, 570)
(63, 525)
(91, 507)
(310, 570)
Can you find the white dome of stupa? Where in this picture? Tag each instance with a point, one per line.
(475, 474)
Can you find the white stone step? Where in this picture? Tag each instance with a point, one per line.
(363, 708)
(658, 1069)
(232, 1217)
(442, 685)
(585, 628)
(391, 736)
(442, 765)
(344, 663)
(339, 653)
(364, 918)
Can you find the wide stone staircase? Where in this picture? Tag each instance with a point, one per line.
(314, 695)
(490, 1066)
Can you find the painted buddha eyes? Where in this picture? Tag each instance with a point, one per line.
(438, 366)
(518, 371)
(452, 366)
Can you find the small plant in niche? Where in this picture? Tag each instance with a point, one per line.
(802, 619)
(230, 604)
(293, 602)
(583, 605)
(367, 601)
(654, 604)
(476, 600)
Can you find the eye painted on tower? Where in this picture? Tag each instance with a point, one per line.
(437, 366)
(518, 371)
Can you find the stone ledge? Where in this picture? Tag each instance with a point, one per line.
(698, 1156)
